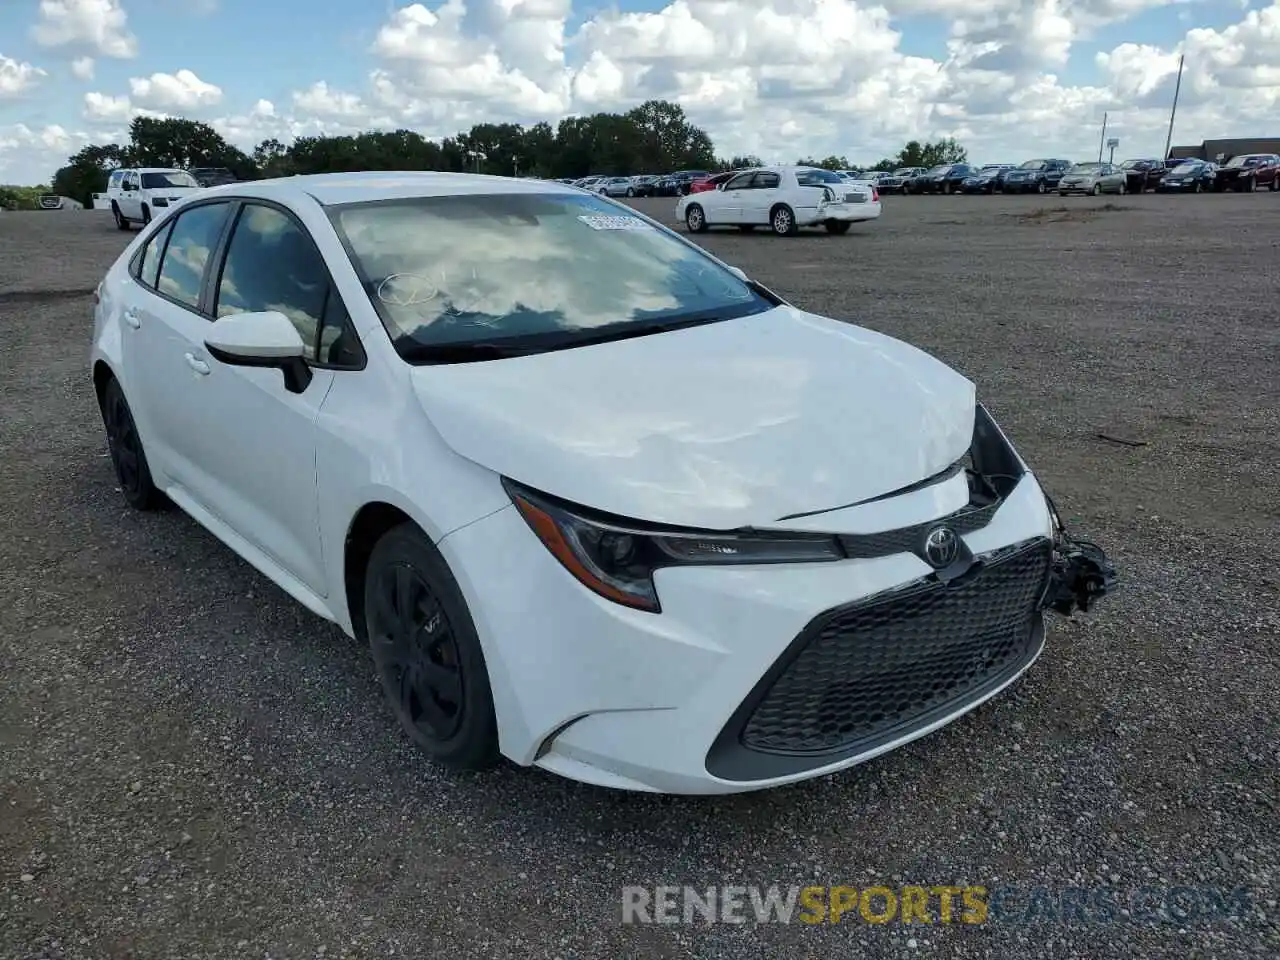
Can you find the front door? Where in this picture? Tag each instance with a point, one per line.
(131, 196)
(731, 200)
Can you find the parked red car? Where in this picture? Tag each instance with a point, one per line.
(710, 183)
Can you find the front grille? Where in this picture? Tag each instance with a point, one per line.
(871, 672)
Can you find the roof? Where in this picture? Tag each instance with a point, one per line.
(329, 189)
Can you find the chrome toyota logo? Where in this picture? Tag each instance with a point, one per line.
(941, 547)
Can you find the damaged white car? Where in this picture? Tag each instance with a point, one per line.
(596, 501)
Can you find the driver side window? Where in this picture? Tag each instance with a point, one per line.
(273, 265)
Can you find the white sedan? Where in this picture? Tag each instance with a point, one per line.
(783, 199)
(666, 534)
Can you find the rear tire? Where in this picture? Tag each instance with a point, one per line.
(146, 215)
(783, 221)
(426, 651)
(838, 227)
(127, 456)
(1041, 188)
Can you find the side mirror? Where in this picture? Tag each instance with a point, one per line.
(266, 339)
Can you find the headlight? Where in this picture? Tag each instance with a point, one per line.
(616, 558)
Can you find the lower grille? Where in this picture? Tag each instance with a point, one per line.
(863, 674)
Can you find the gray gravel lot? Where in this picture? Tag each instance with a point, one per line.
(193, 766)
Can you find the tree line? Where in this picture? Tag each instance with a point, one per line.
(654, 137)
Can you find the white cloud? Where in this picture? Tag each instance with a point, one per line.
(102, 107)
(777, 78)
(178, 91)
(30, 155)
(100, 26)
(82, 68)
(16, 78)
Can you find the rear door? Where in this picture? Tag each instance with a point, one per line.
(765, 191)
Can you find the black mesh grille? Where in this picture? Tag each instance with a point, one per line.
(899, 662)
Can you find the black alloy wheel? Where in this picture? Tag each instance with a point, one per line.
(127, 456)
(426, 651)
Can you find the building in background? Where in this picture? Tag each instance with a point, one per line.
(1219, 151)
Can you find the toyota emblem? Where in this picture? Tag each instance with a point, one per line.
(941, 547)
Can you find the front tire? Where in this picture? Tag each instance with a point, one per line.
(783, 220)
(630, 192)
(1097, 190)
(121, 222)
(146, 215)
(427, 653)
(1041, 188)
(127, 456)
(695, 219)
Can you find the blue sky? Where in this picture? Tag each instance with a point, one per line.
(1009, 78)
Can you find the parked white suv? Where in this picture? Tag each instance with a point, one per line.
(139, 194)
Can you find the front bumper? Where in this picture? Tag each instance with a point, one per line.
(748, 678)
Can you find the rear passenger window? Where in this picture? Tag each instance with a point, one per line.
(191, 240)
(273, 265)
(151, 253)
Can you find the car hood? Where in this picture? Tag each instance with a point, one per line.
(738, 423)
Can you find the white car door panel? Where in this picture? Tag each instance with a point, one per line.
(766, 190)
(130, 197)
(732, 199)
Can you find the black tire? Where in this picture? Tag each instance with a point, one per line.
(121, 222)
(946, 188)
(1198, 188)
(782, 220)
(1041, 188)
(426, 651)
(1097, 190)
(146, 215)
(695, 219)
(630, 192)
(1124, 187)
(127, 456)
(838, 227)
(1253, 184)
(1275, 182)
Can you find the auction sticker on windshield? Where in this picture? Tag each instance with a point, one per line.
(597, 222)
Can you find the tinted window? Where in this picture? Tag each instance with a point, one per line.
(543, 266)
(171, 178)
(273, 265)
(195, 234)
(766, 180)
(813, 177)
(740, 182)
(151, 255)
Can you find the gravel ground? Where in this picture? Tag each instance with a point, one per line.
(193, 766)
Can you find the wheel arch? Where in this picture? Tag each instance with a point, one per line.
(367, 527)
(102, 375)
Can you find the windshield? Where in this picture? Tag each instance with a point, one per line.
(1236, 162)
(1032, 165)
(813, 177)
(904, 171)
(941, 168)
(174, 178)
(1187, 166)
(527, 272)
(991, 168)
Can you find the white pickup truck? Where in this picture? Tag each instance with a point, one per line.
(138, 194)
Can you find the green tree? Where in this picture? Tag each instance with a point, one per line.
(86, 172)
(175, 142)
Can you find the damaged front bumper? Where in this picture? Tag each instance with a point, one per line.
(1081, 574)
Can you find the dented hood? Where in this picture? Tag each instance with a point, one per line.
(731, 424)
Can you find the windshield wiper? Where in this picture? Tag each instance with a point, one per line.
(465, 351)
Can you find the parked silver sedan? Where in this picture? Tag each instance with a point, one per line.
(1094, 178)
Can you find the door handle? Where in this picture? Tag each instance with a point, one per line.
(132, 319)
(198, 365)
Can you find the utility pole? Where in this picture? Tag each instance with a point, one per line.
(1168, 143)
(1103, 139)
